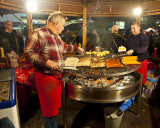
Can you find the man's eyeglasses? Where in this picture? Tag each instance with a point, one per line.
(10, 24)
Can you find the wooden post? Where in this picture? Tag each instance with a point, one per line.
(29, 23)
(138, 19)
(84, 25)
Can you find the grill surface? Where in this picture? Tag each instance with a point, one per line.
(88, 72)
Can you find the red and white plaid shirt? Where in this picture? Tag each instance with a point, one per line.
(43, 45)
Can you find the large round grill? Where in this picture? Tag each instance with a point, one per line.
(79, 92)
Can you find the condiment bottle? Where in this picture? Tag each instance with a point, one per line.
(79, 45)
(155, 52)
(75, 44)
(2, 53)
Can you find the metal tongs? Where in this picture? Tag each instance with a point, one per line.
(119, 55)
(112, 56)
(69, 67)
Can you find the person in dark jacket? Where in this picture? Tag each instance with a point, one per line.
(93, 40)
(151, 42)
(114, 40)
(9, 40)
(75, 38)
(118, 40)
(137, 45)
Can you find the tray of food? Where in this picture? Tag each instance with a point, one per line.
(97, 62)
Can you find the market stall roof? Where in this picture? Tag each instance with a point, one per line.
(7, 11)
(75, 7)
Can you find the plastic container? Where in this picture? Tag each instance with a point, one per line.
(9, 108)
(113, 117)
(127, 104)
(12, 60)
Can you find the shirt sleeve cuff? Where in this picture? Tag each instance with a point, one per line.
(44, 61)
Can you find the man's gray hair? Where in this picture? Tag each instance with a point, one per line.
(56, 16)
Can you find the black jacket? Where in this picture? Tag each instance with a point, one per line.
(139, 43)
(113, 41)
(10, 41)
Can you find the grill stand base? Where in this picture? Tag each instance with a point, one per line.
(64, 100)
(138, 97)
(64, 104)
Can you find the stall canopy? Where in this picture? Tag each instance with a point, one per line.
(82, 8)
(75, 7)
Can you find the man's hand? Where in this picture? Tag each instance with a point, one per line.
(129, 52)
(13, 52)
(53, 65)
(81, 50)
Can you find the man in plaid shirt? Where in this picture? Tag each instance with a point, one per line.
(45, 50)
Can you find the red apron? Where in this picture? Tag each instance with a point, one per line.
(49, 91)
(143, 70)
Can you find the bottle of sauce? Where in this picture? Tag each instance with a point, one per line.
(155, 52)
(2, 53)
(79, 45)
(2, 57)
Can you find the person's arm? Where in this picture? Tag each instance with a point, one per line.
(71, 48)
(129, 52)
(53, 65)
(81, 50)
(33, 48)
(144, 45)
(13, 52)
(143, 48)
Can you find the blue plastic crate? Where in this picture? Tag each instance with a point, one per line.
(12, 97)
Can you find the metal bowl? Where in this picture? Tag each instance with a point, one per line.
(104, 95)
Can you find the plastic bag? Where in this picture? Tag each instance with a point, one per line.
(12, 60)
